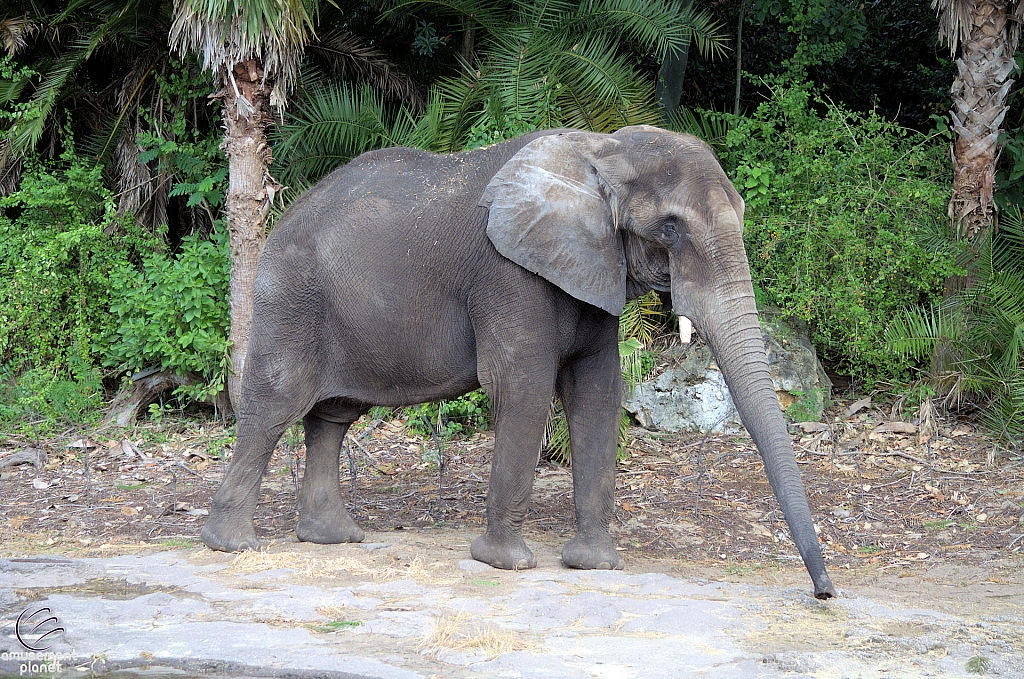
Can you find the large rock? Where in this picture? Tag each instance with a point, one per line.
(691, 395)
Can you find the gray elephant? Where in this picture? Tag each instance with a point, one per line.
(406, 277)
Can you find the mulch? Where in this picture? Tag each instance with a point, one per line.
(881, 493)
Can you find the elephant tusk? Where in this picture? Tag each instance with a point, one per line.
(685, 329)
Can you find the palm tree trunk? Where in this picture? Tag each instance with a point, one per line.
(979, 106)
(468, 37)
(739, 58)
(250, 194)
(669, 87)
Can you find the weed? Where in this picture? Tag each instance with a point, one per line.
(335, 625)
(734, 568)
(941, 524)
(979, 664)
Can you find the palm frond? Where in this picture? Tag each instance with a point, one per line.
(490, 16)
(15, 32)
(333, 123)
(556, 435)
(455, 106)
(641, 318)
(917, 332)
(956, 18)
(656, 27)
(710, 126)
(328, 126)
(708, 35)
(1008, 243)
(352, 59)
(602, 84)
(26, 132)
(545, 15)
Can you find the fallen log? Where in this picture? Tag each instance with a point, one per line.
(147, 385)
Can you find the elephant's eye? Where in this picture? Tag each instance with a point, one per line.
(670, 229)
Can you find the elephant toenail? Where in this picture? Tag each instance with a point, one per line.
(604, 565)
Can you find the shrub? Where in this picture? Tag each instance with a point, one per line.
(838, 206)
(55, 261)
(462, 415)
(173, 313)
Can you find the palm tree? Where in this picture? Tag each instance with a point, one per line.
(253, 48)
(986, 33)
(92, 59)
(552, 63)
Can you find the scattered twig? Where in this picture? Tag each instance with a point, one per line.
(364, 451)
(366, 432)
(351, 468)
(700, 475)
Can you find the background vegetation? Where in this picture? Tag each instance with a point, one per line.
(829, 115)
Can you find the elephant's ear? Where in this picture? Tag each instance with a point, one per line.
(552, 213)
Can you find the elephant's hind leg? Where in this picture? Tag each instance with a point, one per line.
(230, 526)
(323, 517)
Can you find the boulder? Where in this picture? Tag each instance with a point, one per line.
(691, 394)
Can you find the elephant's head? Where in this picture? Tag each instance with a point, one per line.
(608, 217)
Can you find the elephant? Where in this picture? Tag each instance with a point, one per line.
(405, 277)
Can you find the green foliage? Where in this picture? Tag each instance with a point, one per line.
(974, 340)
(189, 156)
(462, 415)
(542, 65)
(825, 29)
(641, 320)
(173, 313)
(427, 40)
(41, 400)
(557, 64)
(496, 125)
(333, 123)
(838, 211)
(978, 664)
(807, 407)
(56, 258)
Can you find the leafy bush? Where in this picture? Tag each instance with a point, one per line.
(55, 262)
(460, 415)
(42, 400)
(838, 209)
(174, 313)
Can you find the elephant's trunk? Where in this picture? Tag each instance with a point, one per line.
(730, 326)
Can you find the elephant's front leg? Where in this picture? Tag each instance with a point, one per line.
(323, 517)
(590, 388)
(520, 405)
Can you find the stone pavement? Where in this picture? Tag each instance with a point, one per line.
(379, 610)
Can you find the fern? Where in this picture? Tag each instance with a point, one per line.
(710, 126)
(975, 340)
(640, 321)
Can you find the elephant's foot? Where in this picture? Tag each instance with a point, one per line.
(509, 553)
(226, 534)
(326, 522)
(592, 553)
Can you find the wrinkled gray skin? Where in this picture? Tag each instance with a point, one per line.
(407, 277)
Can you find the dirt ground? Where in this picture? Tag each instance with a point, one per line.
(885, 501)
